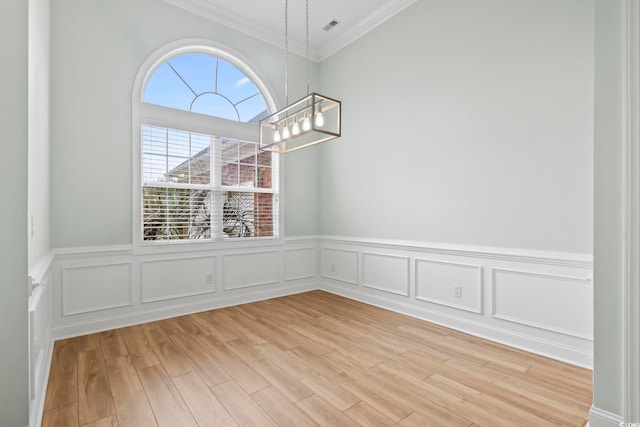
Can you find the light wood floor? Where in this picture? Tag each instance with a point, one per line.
(305, 360)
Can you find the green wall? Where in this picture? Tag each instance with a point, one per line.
(14, 397)
(467, 122)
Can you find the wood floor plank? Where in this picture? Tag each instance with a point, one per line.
(62, 389)
(167, 403)
(319, 364)
(417, 420)
(242, 373)
(203, 404)
(190, 326)
(112, 344)
(111, 421)
(94, 394)
(286, 383)
(61, 416)
(206, 321)
(64, 358)
(280, 409)
(241, 406)
(511, 413)
(132, 406)
(341, 398)
(202, 363)
(307, 359)
(365, 415)
(551, 409)
(323, 413)
(229, 322)
(88, 342)
(172, 359)
(138, 347)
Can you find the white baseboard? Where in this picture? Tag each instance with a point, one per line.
(602, 418)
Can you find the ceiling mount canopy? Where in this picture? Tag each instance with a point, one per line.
(308, 121)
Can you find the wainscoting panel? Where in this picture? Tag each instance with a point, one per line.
(40, 337)
(451, 284)
(251, 269)
(300, 263)
(340, 264)
(175, 278)
(93, 288)
(550, 302)
(389, 273)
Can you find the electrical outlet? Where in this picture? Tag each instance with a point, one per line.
(209, 279)
(457, 291)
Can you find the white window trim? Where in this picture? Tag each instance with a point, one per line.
(184, 120)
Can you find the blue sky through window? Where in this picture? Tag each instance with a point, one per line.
(205, 84)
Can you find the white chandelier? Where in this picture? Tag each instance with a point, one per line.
(308, 121)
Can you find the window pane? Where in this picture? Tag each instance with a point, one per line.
(171, 155)
(238, 214)
(176, 214)
(229, 166)
(198, 71)
(233, 83)
(206, 84)
(212, 104)
(264, 177)
(165, 88)
(252, 110)
(247, 214)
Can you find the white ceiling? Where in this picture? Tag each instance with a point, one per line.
(264, 19)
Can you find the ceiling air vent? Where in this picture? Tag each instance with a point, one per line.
(330, 25)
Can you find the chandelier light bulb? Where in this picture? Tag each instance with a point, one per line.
(319, 119)
(285, 133)
(295, 129)
(306, 124)
(276, 136)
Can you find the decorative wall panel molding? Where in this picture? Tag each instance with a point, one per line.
(389, 273)
(251, 269)
(97, 287)
(552, 302)
(451, 284)
(300, 263)
(340, 264)
(175, 278)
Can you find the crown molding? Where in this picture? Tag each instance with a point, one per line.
(254, 29)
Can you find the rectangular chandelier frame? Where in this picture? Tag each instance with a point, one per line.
(306, 122)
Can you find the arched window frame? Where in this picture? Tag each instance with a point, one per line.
(157, 115)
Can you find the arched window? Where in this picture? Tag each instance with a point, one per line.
(199, 174)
